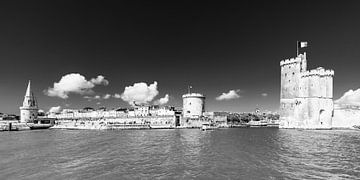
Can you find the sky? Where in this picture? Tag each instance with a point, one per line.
(94, 53)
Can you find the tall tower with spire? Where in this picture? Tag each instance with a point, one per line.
(29, 109)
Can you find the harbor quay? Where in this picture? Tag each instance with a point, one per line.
(125, 120)
(165, 122)
(191, 115)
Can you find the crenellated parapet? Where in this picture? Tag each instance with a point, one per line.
(329, 72)
(318, 72)
(290, 61)
(298, 59)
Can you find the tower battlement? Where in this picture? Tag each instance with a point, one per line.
(290, 61)
(320, 71)
(329, 72)
(297, 59)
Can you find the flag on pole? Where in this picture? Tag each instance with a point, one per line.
(300, 44)
(303, 44)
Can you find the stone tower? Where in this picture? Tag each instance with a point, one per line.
(306, 97)
(29, 109)
(193, 105)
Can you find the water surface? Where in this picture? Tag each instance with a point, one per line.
(244, 153)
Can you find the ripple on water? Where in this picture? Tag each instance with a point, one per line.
(180, 154)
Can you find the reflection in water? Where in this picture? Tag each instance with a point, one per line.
(257, 153)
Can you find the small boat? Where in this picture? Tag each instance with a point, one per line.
(43, 123)
(208, 126)
(39, 126)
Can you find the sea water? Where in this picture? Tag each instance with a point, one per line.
(238, 153)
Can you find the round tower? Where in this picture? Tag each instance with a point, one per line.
(29, 109)
(193, 105)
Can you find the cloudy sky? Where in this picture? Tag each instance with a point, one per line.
(114, 55)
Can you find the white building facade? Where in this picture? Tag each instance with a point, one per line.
(142, 111)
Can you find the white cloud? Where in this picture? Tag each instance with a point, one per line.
(100, 80)
(74, 83)
(117, 96)
(98, 97)
(350, 97)
(55, 109)
(232, 94)
(140, 93)
(89, 98)
(162, 100)
(106, 96)
(264, 94)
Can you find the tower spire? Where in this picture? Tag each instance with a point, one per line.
(29, 109)
(28, 90)
(29, 99)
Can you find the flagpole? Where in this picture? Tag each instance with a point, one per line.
(297, 48)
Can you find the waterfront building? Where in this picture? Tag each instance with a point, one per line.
(81, 114)
(29, 109)
(142, 110)
(306, 96)
(162, 111)
(193, 105)
(137, 112)
(219, 118)
(146, 117)
(131, 112)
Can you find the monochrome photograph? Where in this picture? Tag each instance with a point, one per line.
(250, 90)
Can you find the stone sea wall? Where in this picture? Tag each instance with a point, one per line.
(346, 117)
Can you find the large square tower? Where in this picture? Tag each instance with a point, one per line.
(306, 97)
